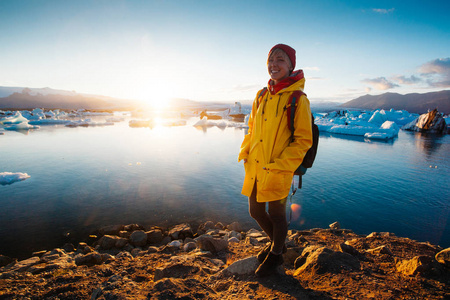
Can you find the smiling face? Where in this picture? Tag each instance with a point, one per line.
(279, 65)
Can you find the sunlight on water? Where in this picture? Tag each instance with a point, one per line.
(85, 178)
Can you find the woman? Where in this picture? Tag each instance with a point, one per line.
(271, 154)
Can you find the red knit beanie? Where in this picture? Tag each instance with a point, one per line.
(288, 50)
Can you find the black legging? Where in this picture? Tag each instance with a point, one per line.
(273, 223)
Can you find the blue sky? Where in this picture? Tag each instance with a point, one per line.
(217, 50)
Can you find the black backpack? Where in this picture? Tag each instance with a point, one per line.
(310, 155)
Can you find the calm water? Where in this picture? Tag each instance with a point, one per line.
(86, 178)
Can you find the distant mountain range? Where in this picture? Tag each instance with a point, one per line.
(414, 103)
(29, 98)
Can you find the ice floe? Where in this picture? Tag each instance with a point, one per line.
(10, 178)
(378, 124)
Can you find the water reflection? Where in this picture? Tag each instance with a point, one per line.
(428, 142)
(356, 138)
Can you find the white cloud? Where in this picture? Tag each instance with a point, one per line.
(401, 79)
(311, 68)
(437, 72)
(380, 83)
(383, 10)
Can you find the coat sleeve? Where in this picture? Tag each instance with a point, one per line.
(292, 156)
(245, 146)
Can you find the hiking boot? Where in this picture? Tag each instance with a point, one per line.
(263, 253)
(270, 265)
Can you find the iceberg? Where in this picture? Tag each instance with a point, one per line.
(10, 178)
(16, 122)
(378, 124)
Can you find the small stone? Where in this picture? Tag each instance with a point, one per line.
(373, 235)
(443, 257)
(211, 244)
(242, 267)
(219, 225)
(154, 236)
(138, 238)
(335, 225)
(181, 231)
(189, 246)
(152, 249)
(176, 244)
(381, 250)
(235, 226)
(348, 249)
(233, 240)
(251, 241)
(90, 259)
(106, 242)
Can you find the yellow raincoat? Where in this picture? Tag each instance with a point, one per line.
(271, 157)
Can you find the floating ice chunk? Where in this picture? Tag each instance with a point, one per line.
(210, 123)
(378, 135)
(87, 122)
(17, 118)
(10, 178)
(141, 123)
(115, 119)
(21, 126)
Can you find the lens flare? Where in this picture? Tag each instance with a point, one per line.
(296, 211)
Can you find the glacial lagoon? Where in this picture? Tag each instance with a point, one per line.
(83, 178)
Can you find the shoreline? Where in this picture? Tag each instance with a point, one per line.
(217, 261)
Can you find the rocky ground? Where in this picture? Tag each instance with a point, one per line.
(218, 262)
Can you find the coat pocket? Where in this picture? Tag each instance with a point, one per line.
(275, 181)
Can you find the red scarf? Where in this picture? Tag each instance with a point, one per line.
(294, 77)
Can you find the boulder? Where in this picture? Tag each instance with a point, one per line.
(25, 264)
(211, 244)
(348, 249)
(181, 231)
(235, 226)
(90, 259)
(432, 121)
(107, 242)
(422, 265)
(443, 257)
(138, 238)
(176, 269)
(154, 236)
(246, 266)
(321, 260)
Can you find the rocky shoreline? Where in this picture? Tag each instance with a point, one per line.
(217, 261)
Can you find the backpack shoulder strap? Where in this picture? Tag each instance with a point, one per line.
(261, 96)
(291, 107)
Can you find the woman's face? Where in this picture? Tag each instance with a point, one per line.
(278, 65)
